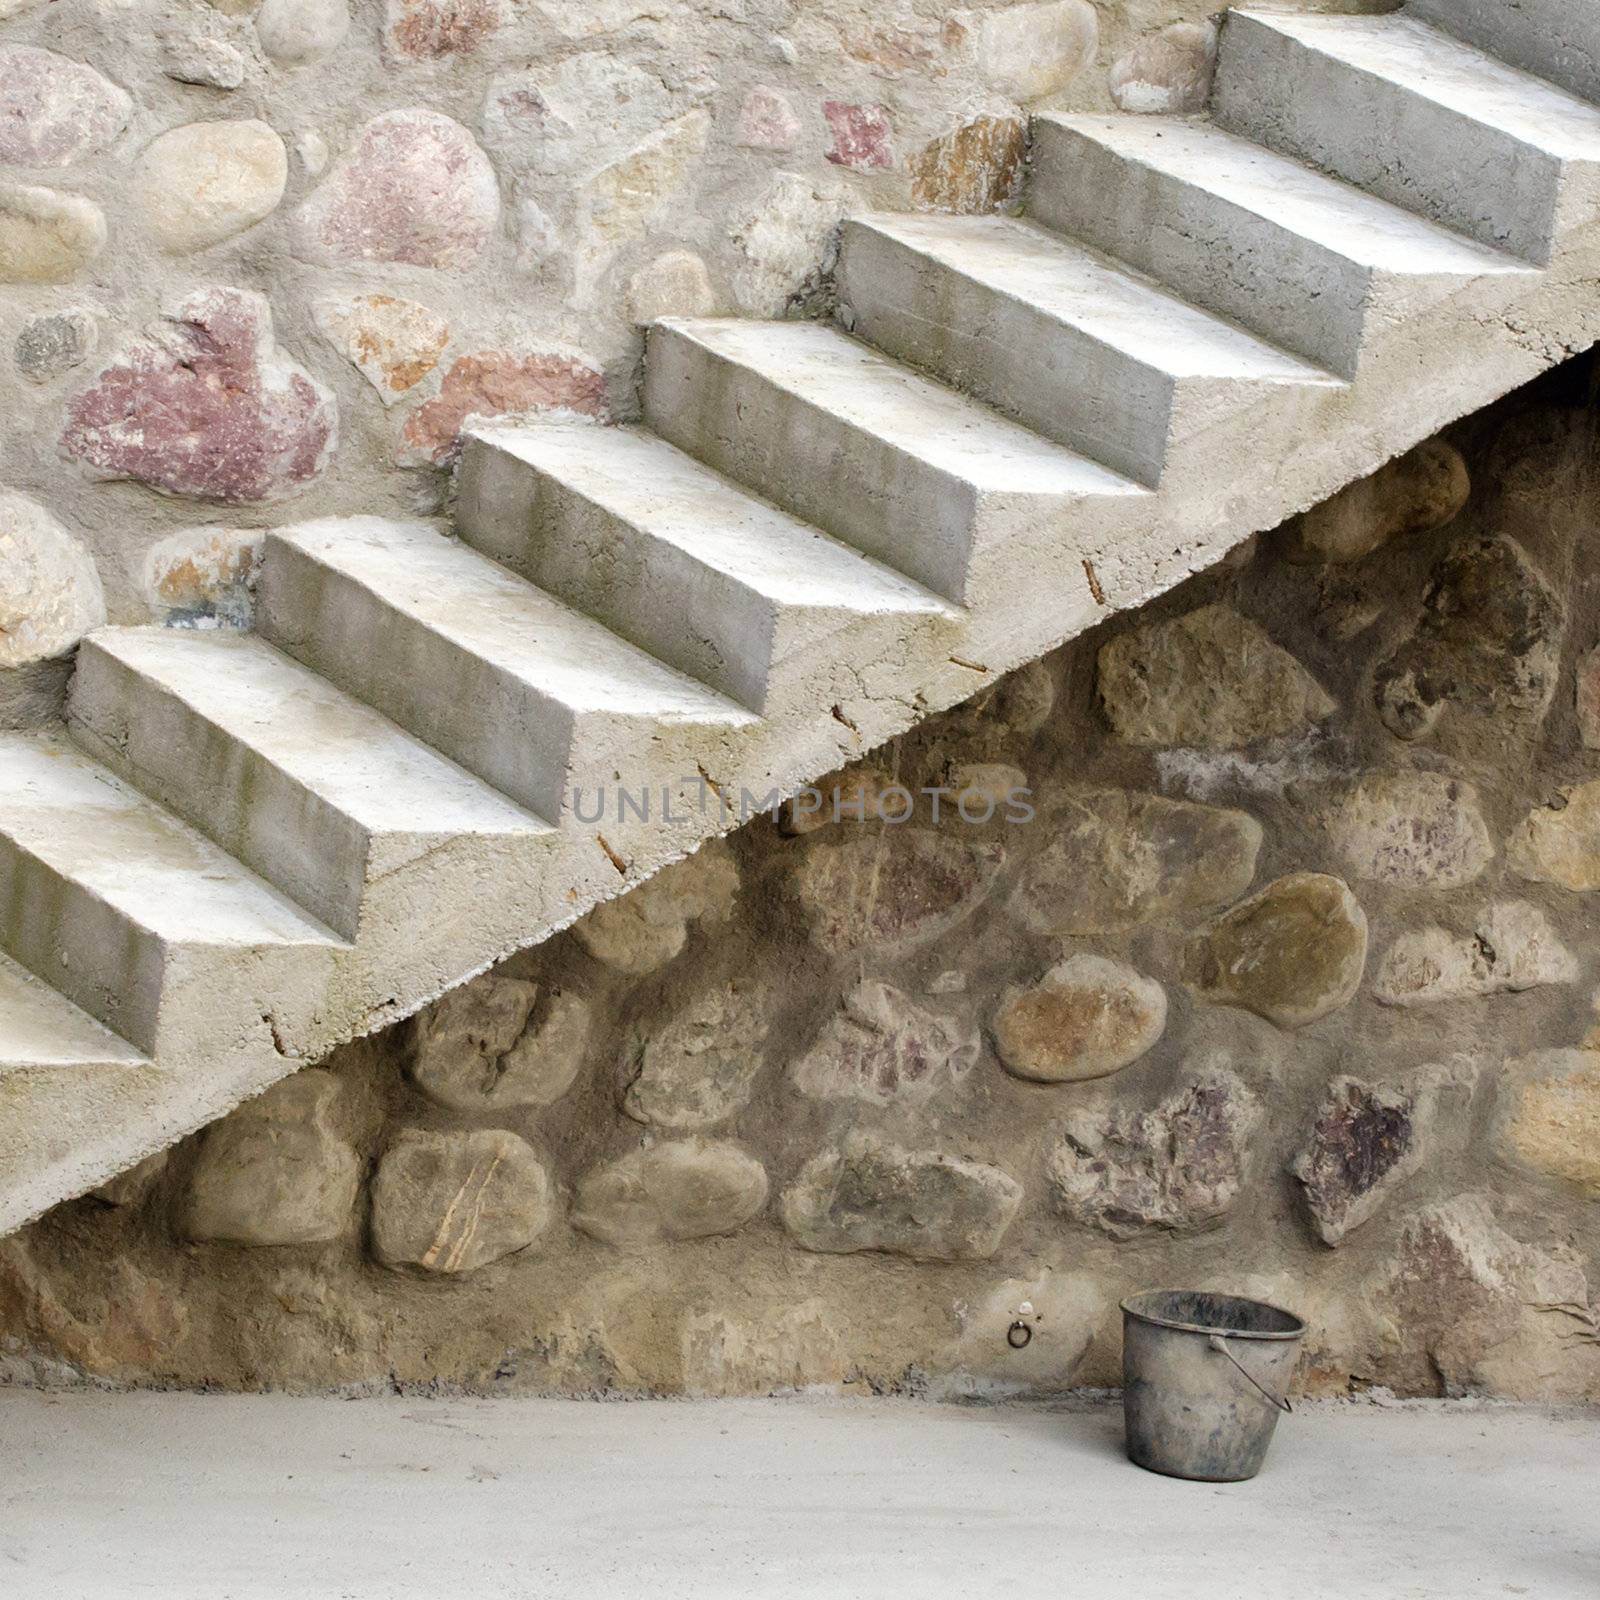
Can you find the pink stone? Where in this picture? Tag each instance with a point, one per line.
(767, 121)
(431, 30)
(53, 110)
(860, 135)
(413, 188)
(205, 404)
(497, 383)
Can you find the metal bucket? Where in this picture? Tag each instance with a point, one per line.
(1204, 1378)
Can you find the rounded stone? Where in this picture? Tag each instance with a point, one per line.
(687, 1189)
(1086, 1018)
(532, 1063)
(1168, 73)
(294, 33)
(1415, 830)
(675, 284)
(203, 577)
(50, 346)
(700, 1067)
(453, 1202)
(206, 182)
(50, 593)
(53, 110)
(1030, 51)
(47, 236)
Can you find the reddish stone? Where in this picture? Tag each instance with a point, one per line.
(497, 383)
(413, 188)
(53, 110)
(204, 404)
(860, 135)
(974, 168)
(428, 30)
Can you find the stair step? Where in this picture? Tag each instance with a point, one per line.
(671, 556)
(1418, 118)
(134, 916)
(1084, 353)
(518, 688)
(40, 1028)
(1554, 39)
(318, 793)
(1305, 260)
(894, 464)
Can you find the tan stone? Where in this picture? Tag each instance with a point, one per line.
(645, 928)
(1029, 51)
(675, 284)
(623, 198)
(1560, 843)
(475, 1055)
(50, 593)
(1086, 1018)
(1062, 1313)
(47, 236)
(130, 1188)
(779, 1350)
(1513, 948)
(201, 184)
(393, 343)
(686, 1189)
(1553, 1121)
(1293, 953)
(202, 576)
(700, 1068)
(859, 794)
(1167, 73)
(976, 167)
(1415, 830)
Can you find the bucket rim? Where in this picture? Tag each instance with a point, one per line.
(1130, 1307)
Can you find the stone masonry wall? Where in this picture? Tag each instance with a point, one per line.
(260, 259)
(1252, 947)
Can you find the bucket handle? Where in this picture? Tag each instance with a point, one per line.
(1220, 1345)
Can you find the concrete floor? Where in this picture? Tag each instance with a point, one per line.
(223, 1498)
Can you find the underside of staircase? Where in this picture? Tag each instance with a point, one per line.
(243, 850)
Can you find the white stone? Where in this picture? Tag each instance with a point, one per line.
(201, 184)
(1513, 948)
(1168, 73)
(295, 33)
(1030, 51)
(47, 236)
(675, 284)
(50, 593)
(780, 239)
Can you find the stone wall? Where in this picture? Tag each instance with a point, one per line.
(260, 259)
(1247, 943)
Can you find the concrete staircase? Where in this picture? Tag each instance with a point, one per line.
(245, 850)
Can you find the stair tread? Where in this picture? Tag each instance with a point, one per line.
(1336, 216)
(952, 433)
(1078, 286)
(489, 611)
(640, 478)
(331, 744)
(68, 811)
(1431, 64)
(41, 1028)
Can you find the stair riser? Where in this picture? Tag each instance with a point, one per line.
(1554, 39)
(650, 593)
(1372, 133)
(252, 808)
(1053, 378)
(1276, 283)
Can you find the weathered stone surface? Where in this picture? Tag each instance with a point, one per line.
(47, 236)
(1422, 490)
(1062, 1312)
(1030, 51)
(892, 889)
(767, 121)
(54, 111)
(1117, 859)
(413, 188)
(785, 1348)
(491, 1045)
(1211, 678)
(393, 343)
(1512, 948)
(1020, 703)
(857, 794)
(780, 237)
(203, 183)
(926, 1204)
(454, 1202)
(1167, 73)
(1560, 843)
(274, 1172)
(1367, 1139)
(50, 593)
(1177, 1167)
(499, 383)
(435, 30)
(626, 197)
(295, 33)
(897, 51)
(1293, 953)
(675, 284)
(645, 928)
(205, 404)
(701, 1067)
(974, 168)
(1415, 830)
(1488, 643)
(50, 346)
(203, 577)
(687, 1189)
(212, 63)
(130, 1187)
(1552, 1117)
(861, 135)
(884, 1048)
(1588, 698)
(1086, 1018)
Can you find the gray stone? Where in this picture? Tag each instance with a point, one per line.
(1086, 1018)
(780, 237)
(1117, 859)
(50, 593)
(1294, 953)
(203, 577)
(687, 1189)
(274, 1172)
(1177, 1167)
(1512, 948)
(884, 1048)
(129, 1188)
(1210, 679)
(1560, 843)
(295, 33)
(50, 346)
(929, 1205)
(454, 1202)
(700, 1068)
(1415, 830)
(645, 928)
